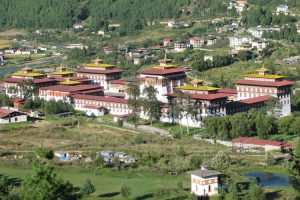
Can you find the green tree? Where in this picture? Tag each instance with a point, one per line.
(44, 153)
(255, 191)
(269, 159)
(134, 101)
(125, 192)
(45, 185)
(28, 89)
(221, 162)
(4, 186)
(294, 161)
(233, 193)
(88, 188)
(150, 104)
(195, 161)
(263, 124)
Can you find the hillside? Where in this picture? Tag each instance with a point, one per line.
(131, 13)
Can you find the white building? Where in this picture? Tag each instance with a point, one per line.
(179, 46)
(204, 182)
(164, 78)
(197, 42)
(282, 9)
(1, 56)
(259, 31)
(266, 85)
(259, 44)
(239, 40)
(11, 116)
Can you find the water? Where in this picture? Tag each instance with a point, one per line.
(6, 71)
(270, 179)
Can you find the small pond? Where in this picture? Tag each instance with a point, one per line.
(269, 179)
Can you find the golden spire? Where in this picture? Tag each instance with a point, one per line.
(97, 61)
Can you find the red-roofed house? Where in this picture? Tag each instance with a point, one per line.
(168, 41)
(10, 116)
(268, 145)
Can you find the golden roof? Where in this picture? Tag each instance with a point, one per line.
(199, 88)
(27, 74)
(26, 69)
(62, 73)
(97, 61)
(196, 81)
(61, 68)
(263, 69)
(99, 65)
(164, 66)
(266, 76)
(69, 82)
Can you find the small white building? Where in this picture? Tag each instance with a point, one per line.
(211, 40)
(1, 56)
(282, 9)
(179, 46)
(11, 116)
(239, 40)
(204, 182)
(197, 41)
(259, 31)
(93, 111)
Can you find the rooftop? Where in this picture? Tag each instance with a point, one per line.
(207, 97)
(205, 173)
(6, 112)
(100, 65)
(99, 98)
(62, 73)
(265, 83)
(256, 99)
(29, 74)
(158, 71)
(71, 88)
(95, 71)
(118, 82)
(266, 76)
(261, 142)
(198, 88)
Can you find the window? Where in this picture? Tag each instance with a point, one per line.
(209, 188)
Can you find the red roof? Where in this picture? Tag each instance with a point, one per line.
(6, 112)
(265, 83)
(261, 142)
(99, 98)
(72, 88)
(13, 80)
(168, 39)
(162, 71)
(43, 80)
(256, 99)
(119, 82)
(98, 71)
(227, 91)
(208, 97)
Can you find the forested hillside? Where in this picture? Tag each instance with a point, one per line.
(62, 14)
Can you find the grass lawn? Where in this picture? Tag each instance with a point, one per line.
(108, 185)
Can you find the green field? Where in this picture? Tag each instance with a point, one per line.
(157, 156)
(108, 185)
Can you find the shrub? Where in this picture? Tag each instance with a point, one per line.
(45, 153)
